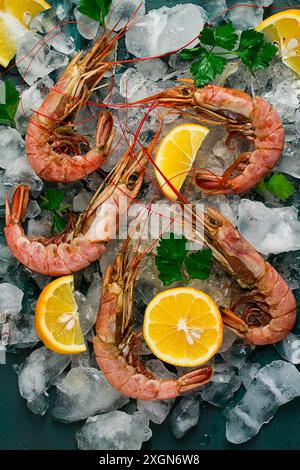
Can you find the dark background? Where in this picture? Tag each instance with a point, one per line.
(20, 429)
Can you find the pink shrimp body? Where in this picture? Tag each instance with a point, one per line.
(84, 242)
(116, 346)
(268, 307)
(240, 114)
(52, 146)
(266, 132)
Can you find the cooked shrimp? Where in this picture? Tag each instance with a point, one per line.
(117, 347)
(240, 114)
(82, 242)
(52, 145)
(268, 306)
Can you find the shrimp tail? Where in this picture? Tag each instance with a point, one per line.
(210, 182)
(234, 322)
(16, 213)
(105, 132)
(195, 379)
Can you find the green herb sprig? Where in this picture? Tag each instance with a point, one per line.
(95, 9)
(52, 201)
(9, 108)
(251, 48)
(175, 263)
(278, 185)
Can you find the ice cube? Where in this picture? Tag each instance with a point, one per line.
(81, 201)
(237, 354)
(39, 371)
(248, 372)
(81, 360)
(45, 21)
(7, 260)
(215, 9)
(223, 373)
(273, 230)
(61, 42)
(289, 163)
(85, 392)
(158, 368)
(40, 227)
(11, 146)
(20, 172)
(121, 12)
(289, 348)
(114, 431)
(223, 385)
(245, 16)
(21, 332)
(87, 27)
(156, 410)
(218, 393)
(185, 415)
(166, 30)
(35, 59)
(134, 86)
(275, 384)
(154, 69)
(33, 210)
(88, 305)
(40, 280)
(64, 9)
(39, 405)
(30, 100)
(229, 337)
(10, 298)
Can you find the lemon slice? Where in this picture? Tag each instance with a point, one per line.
(56, 318)
(176, 154)
(15, 16)
(183, 326)
(24, 10)
(284, 29)
(10, 31)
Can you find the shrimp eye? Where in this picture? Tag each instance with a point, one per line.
(132, 180)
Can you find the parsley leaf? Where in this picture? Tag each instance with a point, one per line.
(95, 9)
(254, 51)
(175, 263)
(198, 264)
(220, 36)
(52, 201)
(170, 256)
(206, 69)
(278, 185)
(9, 108)
(58, 223)
(190, 54)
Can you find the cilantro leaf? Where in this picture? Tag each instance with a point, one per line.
(206, 69)
(9, 108)
(95, 9)
(278, 185)
(199, 263)
(174, 263)
(170, 256)
(220, 36)
(52, 199)
(254, 51)
(58, 223)
(190, 54)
